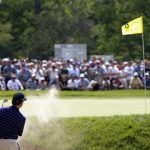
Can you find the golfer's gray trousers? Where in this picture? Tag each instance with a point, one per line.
(8, 144)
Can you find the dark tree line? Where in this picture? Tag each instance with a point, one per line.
(30, 28)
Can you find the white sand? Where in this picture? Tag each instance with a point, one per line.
(75, 108)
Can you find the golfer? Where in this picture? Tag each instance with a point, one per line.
(11, 123)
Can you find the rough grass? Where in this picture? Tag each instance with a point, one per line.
(9, 94)
(84, 94)
(104, 94)
(89, 133)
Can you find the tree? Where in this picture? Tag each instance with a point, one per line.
(97, 23)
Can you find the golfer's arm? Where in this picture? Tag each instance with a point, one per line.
(21, 128)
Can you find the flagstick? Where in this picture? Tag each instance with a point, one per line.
(144, 74)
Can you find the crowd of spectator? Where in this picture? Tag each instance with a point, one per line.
(94, 74)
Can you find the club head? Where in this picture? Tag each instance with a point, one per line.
(4, 101)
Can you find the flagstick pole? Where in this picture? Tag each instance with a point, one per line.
(145, 89)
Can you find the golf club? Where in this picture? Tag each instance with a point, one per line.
(4, 101)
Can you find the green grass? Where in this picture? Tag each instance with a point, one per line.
(9, 94)
(104, 94)
(89, 133)
(85, 94)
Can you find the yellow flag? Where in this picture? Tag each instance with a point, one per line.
(133, 27)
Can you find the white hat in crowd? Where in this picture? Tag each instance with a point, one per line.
(107, 63)
(42, 78)
(147, 73)
(125, 63)
(135, 74)
(33, 75)
(6, 59)
(82, 75)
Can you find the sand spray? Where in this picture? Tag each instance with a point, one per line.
(43, 129)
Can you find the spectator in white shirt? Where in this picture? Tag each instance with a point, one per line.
(2, 84)
(74, 70)
(53, 75)
(39, 73)
(128, 71)
(72, 83)
(14, 84)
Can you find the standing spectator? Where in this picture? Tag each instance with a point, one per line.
(128, 71)
(63, 77)
(147, 66)
(82, 68)
(32, 83)
(147, 79)
(64, 70)
(31, 67)
(107, 68)
(74, 70)
(14, 84)
(98, 71)
(1, 65)
(7, 71)
(39, 73)
(89, 71)
(137, 67)
(18, 69)
(99, 68)
(24, 75)
(53, 75)
(2, 84)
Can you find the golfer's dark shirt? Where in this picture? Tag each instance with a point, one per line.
(11, 122)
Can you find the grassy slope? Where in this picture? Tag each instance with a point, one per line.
(85, 94)
(94, 133)
(8, 94)
(90, 133)
(105, 94)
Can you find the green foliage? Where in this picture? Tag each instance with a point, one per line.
(9, 94)
(24, 33)
(5, 38)
(5, 33)
(89, 133)
(117, 94)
